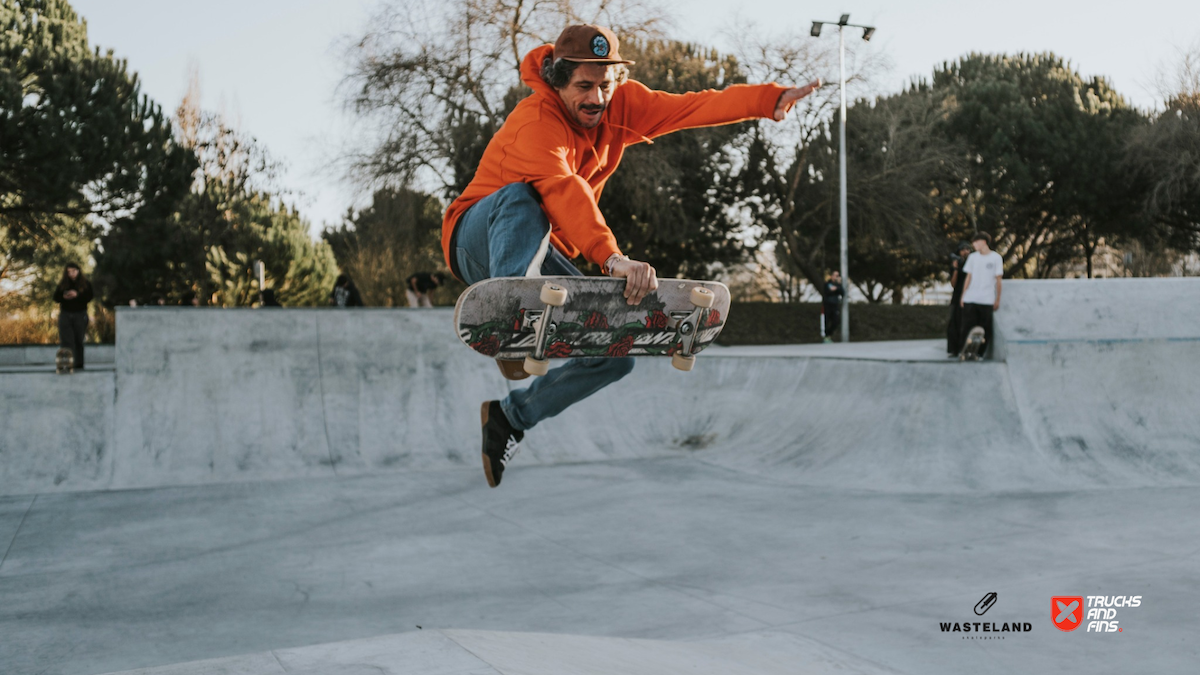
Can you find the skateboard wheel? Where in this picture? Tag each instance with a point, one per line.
(684, 363)
(554, 295)
(537, 366)
(702, 297)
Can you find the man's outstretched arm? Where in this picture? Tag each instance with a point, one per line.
(655, 113)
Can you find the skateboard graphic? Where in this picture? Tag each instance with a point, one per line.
(542, 318)
(64, 361)
(973, 348)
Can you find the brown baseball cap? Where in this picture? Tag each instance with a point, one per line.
(586, 43)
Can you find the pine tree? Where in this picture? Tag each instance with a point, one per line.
(79, 143)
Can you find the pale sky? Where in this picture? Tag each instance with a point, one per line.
(273, 65)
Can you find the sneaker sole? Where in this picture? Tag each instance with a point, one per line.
(487, 463)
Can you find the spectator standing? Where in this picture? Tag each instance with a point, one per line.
(269, 299)
(189, 299)
(420, 285)
(73, 294)
(832, 294)
(345, 293)
(958, 279)
(981, 292)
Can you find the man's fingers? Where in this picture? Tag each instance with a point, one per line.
(636, 287)
(790, 96)
(641, 281)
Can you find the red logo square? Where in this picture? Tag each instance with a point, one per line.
(1066, 611)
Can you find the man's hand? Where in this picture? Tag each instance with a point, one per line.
(790, 96)
(996, 306)
(640, 278)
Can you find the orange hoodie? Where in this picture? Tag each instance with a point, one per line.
(541, 144)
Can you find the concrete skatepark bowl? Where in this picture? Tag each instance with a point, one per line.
(299, 491)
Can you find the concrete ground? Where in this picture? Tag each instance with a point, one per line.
(813, 509)
(672, 549)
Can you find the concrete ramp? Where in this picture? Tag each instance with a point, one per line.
(1098, 386)
(226, 395)
(462, 652)
(1106, 375)
(869, 425)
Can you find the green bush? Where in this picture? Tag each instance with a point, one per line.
(772, 323)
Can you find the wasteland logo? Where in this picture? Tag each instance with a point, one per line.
(985, 604)
(985, 630)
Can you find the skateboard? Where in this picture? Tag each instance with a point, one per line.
(543, 318)
(64, 361)
(973, 348)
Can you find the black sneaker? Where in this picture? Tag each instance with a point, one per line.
(500, 441)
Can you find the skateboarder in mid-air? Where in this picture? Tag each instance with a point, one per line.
(531, 206)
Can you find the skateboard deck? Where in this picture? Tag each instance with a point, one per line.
(973, 347)
(501, 317)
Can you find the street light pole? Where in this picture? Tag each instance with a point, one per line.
(843, 228)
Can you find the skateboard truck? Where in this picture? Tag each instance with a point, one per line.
(687, 327)
(542, 322)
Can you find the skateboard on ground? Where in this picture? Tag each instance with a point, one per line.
(64, 361)
(543, 318)
(973, 348)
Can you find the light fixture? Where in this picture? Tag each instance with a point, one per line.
(844, 20)
(816, 29)
(867, 33)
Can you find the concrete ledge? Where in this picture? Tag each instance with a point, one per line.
(896, 350)
(41, 355)
(1061, 310)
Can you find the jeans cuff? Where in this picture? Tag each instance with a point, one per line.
(514, 419)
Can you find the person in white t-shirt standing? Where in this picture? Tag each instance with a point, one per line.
(981, 295)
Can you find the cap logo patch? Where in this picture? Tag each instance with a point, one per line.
(600, 46)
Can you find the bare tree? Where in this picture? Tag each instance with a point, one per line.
(435, 80)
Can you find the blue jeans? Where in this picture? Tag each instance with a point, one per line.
(500, 236)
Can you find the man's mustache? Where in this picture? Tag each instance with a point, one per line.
(592, 108)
